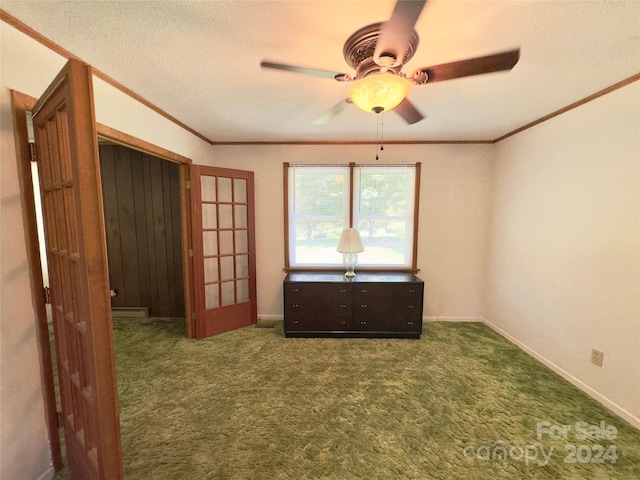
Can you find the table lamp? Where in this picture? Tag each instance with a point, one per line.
(350, 245)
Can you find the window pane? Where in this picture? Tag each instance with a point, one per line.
(224, 189)
(226, 242)
(318, 210)
(226, 216)
(226, 268)
(210, 243)
(241, 216)
(212, 296)
(208, 186)
(242, 290)
(210, 270)
(209, 216)
(228, 293)
(384, 214)
(242, 241)
(239, 190)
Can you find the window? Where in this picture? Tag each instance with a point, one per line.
(378, 200)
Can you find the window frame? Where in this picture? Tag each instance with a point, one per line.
(351, 205)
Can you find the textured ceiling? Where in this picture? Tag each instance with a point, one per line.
(199, 61)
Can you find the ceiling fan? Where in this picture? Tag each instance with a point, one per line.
(378, 52)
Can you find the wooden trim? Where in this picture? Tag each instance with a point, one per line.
(38, 37)
(579, 103)
(149, 105)
(416, 216)
(285, 182)
(134, 143)
(352, 167)
(367, 142)
(187, 245)
(95, 302)
(360, 268)
(20, 106)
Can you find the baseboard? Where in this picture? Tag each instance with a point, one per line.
(130, 312)
(49, 474)
(597, 396)
(270, 318)
(452, 319)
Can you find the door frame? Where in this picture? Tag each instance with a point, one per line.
(21, 105)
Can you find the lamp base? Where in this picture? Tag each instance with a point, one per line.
(350, 260)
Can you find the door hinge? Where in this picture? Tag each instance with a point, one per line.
(47, 296)
(187, 185)
(32, 150)
(190, 253)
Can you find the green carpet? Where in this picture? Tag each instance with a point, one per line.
(461, 403)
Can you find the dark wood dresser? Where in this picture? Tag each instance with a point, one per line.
(370, 305)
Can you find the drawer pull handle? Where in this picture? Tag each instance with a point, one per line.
(294, 289)
(295, 305)
(363, 290)
(342, 305)
(412, 306)
(342, 290)
(409, 323)
(296, 322)
(364, 305)
(363, 322)
(412, 291)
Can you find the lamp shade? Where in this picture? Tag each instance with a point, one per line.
(379, 92)
(350, 241)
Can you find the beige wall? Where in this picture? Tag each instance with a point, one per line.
(454, 212)
(564, 245)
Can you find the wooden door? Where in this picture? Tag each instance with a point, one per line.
(222, 211)
(67, 154)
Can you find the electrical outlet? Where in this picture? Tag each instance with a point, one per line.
(597, 357)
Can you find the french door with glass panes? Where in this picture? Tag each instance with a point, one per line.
(224, 265)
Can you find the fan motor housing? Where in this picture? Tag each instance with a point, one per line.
(360, 47)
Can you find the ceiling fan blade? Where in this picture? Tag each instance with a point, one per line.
(316, 72)
(466, 68)
(330, 114)
(408, 112)
(397, 32)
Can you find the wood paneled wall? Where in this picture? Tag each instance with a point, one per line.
(142, 216)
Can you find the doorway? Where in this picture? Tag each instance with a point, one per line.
(21, 106)
(143, 221)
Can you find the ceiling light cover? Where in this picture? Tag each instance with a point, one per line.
(379, 92)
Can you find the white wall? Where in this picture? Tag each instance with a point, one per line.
(564, 245)
(24, 447)
(454, 213)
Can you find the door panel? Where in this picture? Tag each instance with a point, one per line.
(67, 154)
(222, 211)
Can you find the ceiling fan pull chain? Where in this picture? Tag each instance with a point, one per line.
(377, 133)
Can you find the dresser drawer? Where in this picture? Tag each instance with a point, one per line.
(317, 307)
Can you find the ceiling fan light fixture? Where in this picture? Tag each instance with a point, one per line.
(379, 92)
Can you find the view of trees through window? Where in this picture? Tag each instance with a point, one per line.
(319, 204)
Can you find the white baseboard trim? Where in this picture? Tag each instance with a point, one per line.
(597, 396)
(270, 317)
(47, 475)
(452, 319)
